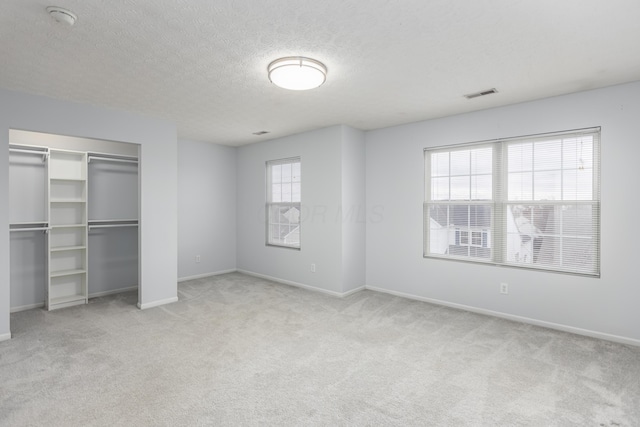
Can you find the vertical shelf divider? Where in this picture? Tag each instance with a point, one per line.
(68, 227)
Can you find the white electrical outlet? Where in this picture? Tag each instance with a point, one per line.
(313, 268)
(504, 288)
(197, 258)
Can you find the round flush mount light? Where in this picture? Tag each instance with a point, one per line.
(62, 15)
(297, 73)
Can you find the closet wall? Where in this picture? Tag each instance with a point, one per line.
(112, 212)
(27, 202)
(113, 245)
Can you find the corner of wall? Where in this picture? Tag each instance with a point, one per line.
(353, 207)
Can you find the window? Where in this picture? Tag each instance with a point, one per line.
(283, 202)
(528, 202)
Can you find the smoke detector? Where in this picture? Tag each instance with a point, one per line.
(62, 15)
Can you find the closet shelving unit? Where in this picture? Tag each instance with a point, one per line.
(68, 228)
(63, 216)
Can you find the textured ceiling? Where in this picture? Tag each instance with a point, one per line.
(202, 63)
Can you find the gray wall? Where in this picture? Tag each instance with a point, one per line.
(320, 236)
(606, 307)
(28, 269)
(332, 228)
(158, 176)
(113, 191)
(206, 209)
(113, 260)
(112, 252)
(354, 215)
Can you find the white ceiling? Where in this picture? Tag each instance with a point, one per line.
(202, 63)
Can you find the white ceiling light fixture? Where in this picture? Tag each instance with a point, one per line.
(297, 73)
(62, 15)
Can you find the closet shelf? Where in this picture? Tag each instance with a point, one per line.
(68, 248)
(66, 299)
(67, 201)
(28, 223)
(66, 179)
(52, 226)
(112, 220)
(25, 149)
(30, 229)
(67, 273)
(29, 226)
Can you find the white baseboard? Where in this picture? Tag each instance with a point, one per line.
(5, 337)
(94, 295)
(26, 307)
(115, 291)
(353, 291)
(301, 285)
(157, 303)
(202, 276)
(521, 319)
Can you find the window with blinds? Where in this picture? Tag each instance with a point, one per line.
(283, 202)
(530, 202)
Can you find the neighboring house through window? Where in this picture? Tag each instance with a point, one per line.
(283, 202)
(529, 202)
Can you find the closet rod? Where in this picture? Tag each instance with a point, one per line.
(44, 154)
(91, 227)
(110, 159)
(30, 229)
(99, 221)
(38, 223)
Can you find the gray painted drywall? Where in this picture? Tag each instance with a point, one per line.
(113, 190)
(320, 237)
(28, 268)
(158, 176)
(333, 218)
(395, 177)
(206, 208)
(354, 214)
(28, 187)
(113, 259)
(27, 195)
(112, 252)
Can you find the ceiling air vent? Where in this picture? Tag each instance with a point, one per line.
(262, 132)
(483, 93)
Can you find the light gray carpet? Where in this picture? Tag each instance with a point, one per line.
(236, 350)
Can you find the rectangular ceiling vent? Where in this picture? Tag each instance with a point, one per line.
(482, 93)
(262, 132)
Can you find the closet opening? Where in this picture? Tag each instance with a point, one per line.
(74, 207)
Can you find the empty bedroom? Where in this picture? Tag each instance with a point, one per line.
(391, 213)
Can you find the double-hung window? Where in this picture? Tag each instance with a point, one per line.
(529, 202)
(283, 202)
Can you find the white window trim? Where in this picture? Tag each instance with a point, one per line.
(500, 201)
(269, 203)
